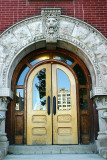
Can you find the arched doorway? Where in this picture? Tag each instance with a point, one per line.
(72, 67)
(51, 106)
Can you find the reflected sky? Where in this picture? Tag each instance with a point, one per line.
(62, 80)
(22, 76)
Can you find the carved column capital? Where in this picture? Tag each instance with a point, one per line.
(101, 102)
(4, 102)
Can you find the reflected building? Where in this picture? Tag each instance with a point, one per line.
(19, 102)
(64, 100)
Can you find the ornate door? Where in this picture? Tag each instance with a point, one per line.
(51, 106)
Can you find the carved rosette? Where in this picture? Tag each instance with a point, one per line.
(51, 24)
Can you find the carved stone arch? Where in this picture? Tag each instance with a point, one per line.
(68, 32)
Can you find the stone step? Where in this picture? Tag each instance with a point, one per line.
(52, 149)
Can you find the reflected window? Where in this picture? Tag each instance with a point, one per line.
(63, 88)
(64, 58)
(80, 74)
(22, 75)
(38, 58)
(19, 99)
(39, 91)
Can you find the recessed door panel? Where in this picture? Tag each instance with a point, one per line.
(51, 106)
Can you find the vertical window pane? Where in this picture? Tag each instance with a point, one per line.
(19, 99)
(83, 99)
(63, 88)
(80, 74)
(22, 75)
(39, 91)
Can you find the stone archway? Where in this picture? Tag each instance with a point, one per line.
(51, 30)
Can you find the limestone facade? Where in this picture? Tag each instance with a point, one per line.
(51, 30)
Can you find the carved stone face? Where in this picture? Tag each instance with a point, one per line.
(51, 24)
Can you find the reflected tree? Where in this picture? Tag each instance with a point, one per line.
(41, 85)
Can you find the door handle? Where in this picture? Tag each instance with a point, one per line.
(48, 105)
(54, 105)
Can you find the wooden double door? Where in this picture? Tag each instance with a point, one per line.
(51, 106)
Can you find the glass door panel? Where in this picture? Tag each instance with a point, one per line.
(63, 91)
(64, 116)
(39, 91)
(51, 106)
(39, 127)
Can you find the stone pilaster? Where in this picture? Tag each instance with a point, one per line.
(3, 138)
(101, 103)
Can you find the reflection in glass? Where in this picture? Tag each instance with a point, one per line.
(63, 88)
(22, 75)
(83, 99)
(83, 104)
(19, 99)
(63, 58)
(38, 58)
(39, 91)
(80, 74)
(83, 93)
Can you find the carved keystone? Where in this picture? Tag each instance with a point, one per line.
(51, 26)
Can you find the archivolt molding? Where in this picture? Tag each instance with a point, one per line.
(71, 30)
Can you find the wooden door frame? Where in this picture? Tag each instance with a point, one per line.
(25, 61)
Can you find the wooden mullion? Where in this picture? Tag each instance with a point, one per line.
(83, 86)
(29, 65)
(72, 65)
(19, 87)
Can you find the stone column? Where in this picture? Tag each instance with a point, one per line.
(3, 138)
(101, 103)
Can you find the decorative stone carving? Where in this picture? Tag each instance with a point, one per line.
(66, 28)
(3, 54)
(35, 28)
(51, 24)
(3, 102)
(101, 102)
(2, 117)
(80, 32)
(22, 34)
(10, 42)
(3, 136)
(92, 40)
(104, 115)
(101, 51)
(55, 28)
